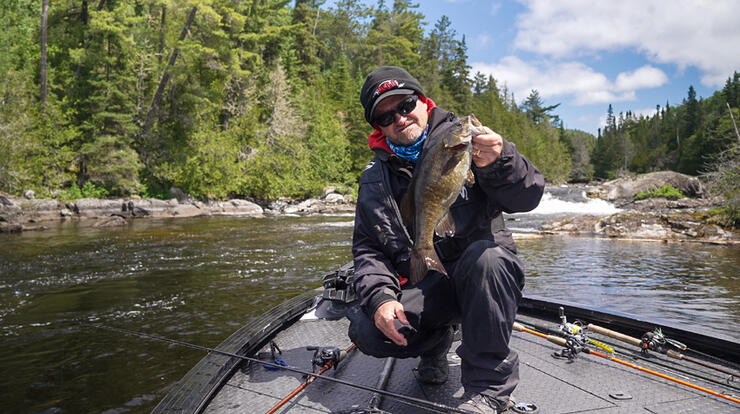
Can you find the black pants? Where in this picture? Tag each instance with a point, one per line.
(482, 293)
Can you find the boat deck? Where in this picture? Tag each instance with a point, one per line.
(585, 384)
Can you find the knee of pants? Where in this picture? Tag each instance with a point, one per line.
(484, 257)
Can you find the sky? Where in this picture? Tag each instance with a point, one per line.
(586, 54)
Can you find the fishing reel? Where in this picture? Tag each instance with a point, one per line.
(574, 344)
(576, 337)
(325, 355)
(656, 341)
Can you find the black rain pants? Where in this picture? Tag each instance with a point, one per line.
(482, 293)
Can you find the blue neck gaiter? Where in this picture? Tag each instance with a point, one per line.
(412, 151)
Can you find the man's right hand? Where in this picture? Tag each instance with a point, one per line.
(384, 316)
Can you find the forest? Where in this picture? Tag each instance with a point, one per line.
(260, 99)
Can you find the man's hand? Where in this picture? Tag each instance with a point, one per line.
(487, 147)
(384, 316)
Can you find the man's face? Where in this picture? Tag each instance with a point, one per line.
(405, 129)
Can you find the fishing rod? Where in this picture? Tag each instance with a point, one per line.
(656, 341)
(568, 344)
(330, 358)
(660, 362)
(416, 402)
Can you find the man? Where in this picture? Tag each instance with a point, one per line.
(485, 279)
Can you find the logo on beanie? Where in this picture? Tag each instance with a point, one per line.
(386, 86)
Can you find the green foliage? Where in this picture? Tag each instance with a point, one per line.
(259, 99)
(109, 162)
(666, 191)
(209, 166)
(88, 190)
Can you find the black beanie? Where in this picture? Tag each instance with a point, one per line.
(383, 82)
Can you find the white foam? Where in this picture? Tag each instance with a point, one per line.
(552, 205)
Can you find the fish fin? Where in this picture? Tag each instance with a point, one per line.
(445, 227)
(408, 208)
(470, 180)
(422, 261)
(450, 165)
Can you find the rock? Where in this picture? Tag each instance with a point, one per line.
(575, 224)
(41, 210)
(112, 221)
(246, 207)
(334, 198)
(65, 212)
(150, 207)
(29, 194)
(668, 226)
(187, 210)
(9, 211)
(329, 189)
(93, 207)
(277, 206)
(623, 189)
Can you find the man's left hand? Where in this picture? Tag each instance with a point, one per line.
(487, 147)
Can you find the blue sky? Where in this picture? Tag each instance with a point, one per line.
(585, 54)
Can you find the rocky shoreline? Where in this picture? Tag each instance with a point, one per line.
(660, 219)
(27, 214)
(656, 219)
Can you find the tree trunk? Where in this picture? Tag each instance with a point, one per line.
(42, 69)
(733, 122)
(166, 75)
(161, 32)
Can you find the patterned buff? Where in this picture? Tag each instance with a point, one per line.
(412, 151)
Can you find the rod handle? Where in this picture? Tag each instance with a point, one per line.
(673, 354)
(554, 339)
(612, 334)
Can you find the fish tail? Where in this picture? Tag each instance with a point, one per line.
(422, 261)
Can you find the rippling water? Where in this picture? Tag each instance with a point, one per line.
(200, 279)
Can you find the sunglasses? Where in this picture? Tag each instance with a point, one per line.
(403, 108)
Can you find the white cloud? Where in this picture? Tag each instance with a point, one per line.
(686, 33)
(570, 80)
(644, 77)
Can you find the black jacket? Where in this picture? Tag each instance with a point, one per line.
(381, 244)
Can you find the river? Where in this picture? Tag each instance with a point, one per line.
(200, 279)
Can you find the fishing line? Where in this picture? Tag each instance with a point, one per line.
(415, 402)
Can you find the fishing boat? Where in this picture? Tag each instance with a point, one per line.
(298, 358)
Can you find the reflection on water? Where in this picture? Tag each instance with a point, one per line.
(198, 280)
(694, 284)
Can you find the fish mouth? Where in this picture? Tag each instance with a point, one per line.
(460, 143)
(459, 147)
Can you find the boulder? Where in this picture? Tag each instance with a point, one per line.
(93, 207)
(625, 189)
(41, 210)
(151, 207)
(9, 211)
(334, 198)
